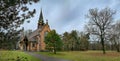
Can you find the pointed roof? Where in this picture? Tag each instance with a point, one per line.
(41, 17)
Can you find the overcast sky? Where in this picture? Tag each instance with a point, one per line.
(67, 15)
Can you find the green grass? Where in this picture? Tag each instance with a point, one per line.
(16, 56)
(85, 55)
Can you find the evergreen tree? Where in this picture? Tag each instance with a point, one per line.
(13, 13)
(53, 41)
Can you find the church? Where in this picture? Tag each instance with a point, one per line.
(35, 41)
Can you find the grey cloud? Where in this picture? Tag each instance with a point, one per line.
(65, 15)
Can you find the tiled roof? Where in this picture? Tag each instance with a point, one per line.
(31, 37)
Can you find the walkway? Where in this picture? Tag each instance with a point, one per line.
(45, 58)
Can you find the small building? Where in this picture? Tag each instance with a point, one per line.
(35, 41)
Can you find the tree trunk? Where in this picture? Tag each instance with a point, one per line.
(118, 50)
(54, 49)
(72, 46)
(117, 47)
(103, 45)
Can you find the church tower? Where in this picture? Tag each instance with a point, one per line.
(40, 21)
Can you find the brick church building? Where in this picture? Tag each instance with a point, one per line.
(35, 41)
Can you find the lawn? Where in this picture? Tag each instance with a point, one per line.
(16, 56)
(85, 55)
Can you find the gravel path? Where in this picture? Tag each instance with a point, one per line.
(45, 58)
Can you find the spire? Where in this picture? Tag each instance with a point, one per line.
(41, 18)
(40, 21)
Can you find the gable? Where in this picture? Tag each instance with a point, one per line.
(32, 36)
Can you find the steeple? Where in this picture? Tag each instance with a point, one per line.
(40, 21)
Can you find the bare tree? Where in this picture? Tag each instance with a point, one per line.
(100, 22)
(115, 35)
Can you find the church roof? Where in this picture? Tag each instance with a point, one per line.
(31, 37)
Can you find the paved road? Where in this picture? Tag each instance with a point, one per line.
(45, 58)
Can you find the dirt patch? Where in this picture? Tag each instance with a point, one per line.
(108, 54)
